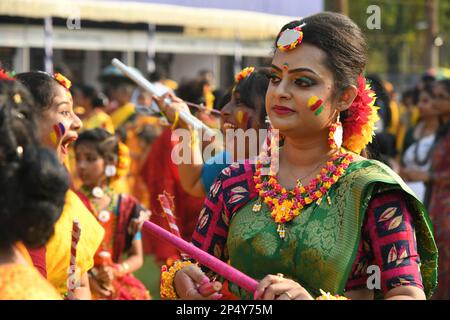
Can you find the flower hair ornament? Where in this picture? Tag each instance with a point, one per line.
(62, 80)
(289, 39)
(123, 160)
(244, 73)
(4, 75)
(359, 124)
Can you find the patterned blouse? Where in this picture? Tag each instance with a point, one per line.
(388, 236)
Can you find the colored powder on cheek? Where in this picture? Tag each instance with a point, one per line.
(249, 122)
(316, 105)
(319, 111)
(58, 132)
(240, 117)
(53, 137)
(62, 129)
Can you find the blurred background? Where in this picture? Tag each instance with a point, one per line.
(179, 37)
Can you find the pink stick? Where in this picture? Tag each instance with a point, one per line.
(216, 265)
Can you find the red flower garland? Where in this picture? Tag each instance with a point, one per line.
(6, 75)
(359, 125)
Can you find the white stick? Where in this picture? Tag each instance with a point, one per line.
(147, 85)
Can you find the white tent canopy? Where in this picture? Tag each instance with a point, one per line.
(217, 23)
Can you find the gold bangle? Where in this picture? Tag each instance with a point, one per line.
(175, 122)
(167, 290)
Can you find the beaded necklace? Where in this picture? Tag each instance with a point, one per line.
(284, 204)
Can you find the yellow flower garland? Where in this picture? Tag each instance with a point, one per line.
(167, 291)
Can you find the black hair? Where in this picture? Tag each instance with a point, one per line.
(444, 128)
(428, 89)
(96, 98)
(33, 183)
(428, 79)
(409, 93)
(192, 90)
(342, 41)
(383, 101)
(223, 100)
(155, 76)
(104, 143)
(42, 87)
(149, 133)
(443, 82)
(252, 91)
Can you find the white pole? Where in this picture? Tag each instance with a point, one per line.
(148, 86)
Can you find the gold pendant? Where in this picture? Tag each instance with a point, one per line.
(257, 206)
(329, 200)
(281, 230)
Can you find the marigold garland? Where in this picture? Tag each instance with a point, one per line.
(286, 205)
(329, 296)
(167, 291)
(244, 74)
(331, 141)
(359, 125)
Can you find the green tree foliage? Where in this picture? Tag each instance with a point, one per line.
(398, 48)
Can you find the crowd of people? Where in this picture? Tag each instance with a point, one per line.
(348, 175)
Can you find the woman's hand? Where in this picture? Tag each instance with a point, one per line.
(188, 280)
(136, 223)
(97, 288)
(105, 274)
(171, 109)
(279, 288)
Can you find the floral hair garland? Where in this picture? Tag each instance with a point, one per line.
(62, 80)
(289, 39)
(359, 125)
(4, 75)
(244, 74)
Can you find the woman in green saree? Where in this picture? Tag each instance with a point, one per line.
(314, 214)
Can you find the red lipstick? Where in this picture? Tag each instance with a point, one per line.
(282, 110)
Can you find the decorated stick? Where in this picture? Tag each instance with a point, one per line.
(167, 206)
(200, 107)
(72, 282)
(166, 201)
(218, 266)
(148, 86)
